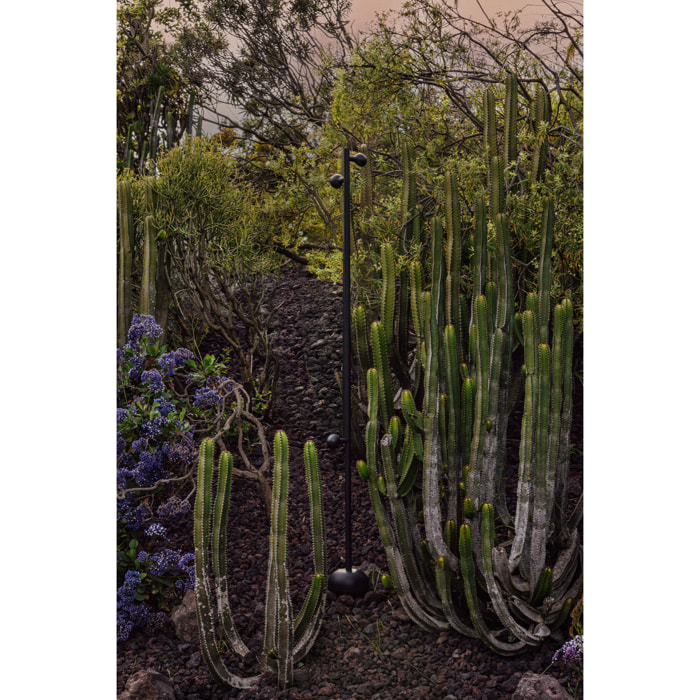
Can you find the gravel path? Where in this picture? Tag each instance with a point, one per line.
(367, 648)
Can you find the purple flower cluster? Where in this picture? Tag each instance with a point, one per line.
(186, 566)
(149, 469)
(163, 561)
(136, 369)
(157, 530)
(143, 327)
(153, 380)
(173, 510)
(132, 613)
(139, 445)
(165, 408)
(571, 653)
(205, 398)
(170, 361)
(181, 450)
(133, 516)
(153, 428)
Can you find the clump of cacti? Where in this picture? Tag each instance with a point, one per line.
(436, 433)
(142, 258)
(287, 639)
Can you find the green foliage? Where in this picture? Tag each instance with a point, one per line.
(411, 85)
(202, 201)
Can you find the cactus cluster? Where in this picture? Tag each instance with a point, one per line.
(154, 294)
(150, 139)
(435, 437)
(287, 639)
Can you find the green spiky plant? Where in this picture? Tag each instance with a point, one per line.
(286, 639)
(436, 448)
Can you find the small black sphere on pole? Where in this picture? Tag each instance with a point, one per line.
(348, 581)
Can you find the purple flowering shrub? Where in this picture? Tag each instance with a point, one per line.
(164, 400)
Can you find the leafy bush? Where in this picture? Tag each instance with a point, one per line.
(164, 400)
(221, 257)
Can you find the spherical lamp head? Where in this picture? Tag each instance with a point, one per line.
(359, 159)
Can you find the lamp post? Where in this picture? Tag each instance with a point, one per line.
(347, 580)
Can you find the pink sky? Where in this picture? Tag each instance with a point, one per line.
(365, 10)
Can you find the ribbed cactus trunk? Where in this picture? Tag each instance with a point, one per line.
(147, 303)
(286, 639)
(126, 243)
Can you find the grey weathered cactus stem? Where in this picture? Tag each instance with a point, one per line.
(286, 640)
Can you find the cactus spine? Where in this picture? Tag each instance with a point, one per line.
(447, 440)
(286, 639)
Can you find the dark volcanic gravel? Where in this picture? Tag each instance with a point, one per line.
(367, 648)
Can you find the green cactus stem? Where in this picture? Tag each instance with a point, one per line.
(511, 119)
(542, 113)
(147, 303)
(381, 362)
(126, 243)
(155, 117)
(388, 295)
(409, 210)
(360, 329)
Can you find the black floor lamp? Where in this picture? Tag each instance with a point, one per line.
(347, 580)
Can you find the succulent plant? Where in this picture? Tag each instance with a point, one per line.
(435, 450)
(287, 639)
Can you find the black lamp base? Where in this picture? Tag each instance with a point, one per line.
(344, 582)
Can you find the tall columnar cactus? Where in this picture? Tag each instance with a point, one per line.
(147, 303)
(436, 459)
(497, 160)
(541, 115)
(286, 639)
(126, 245)
(510, 120)
(155, 291)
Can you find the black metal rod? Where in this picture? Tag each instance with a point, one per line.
(348, 581)
(346, 359)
